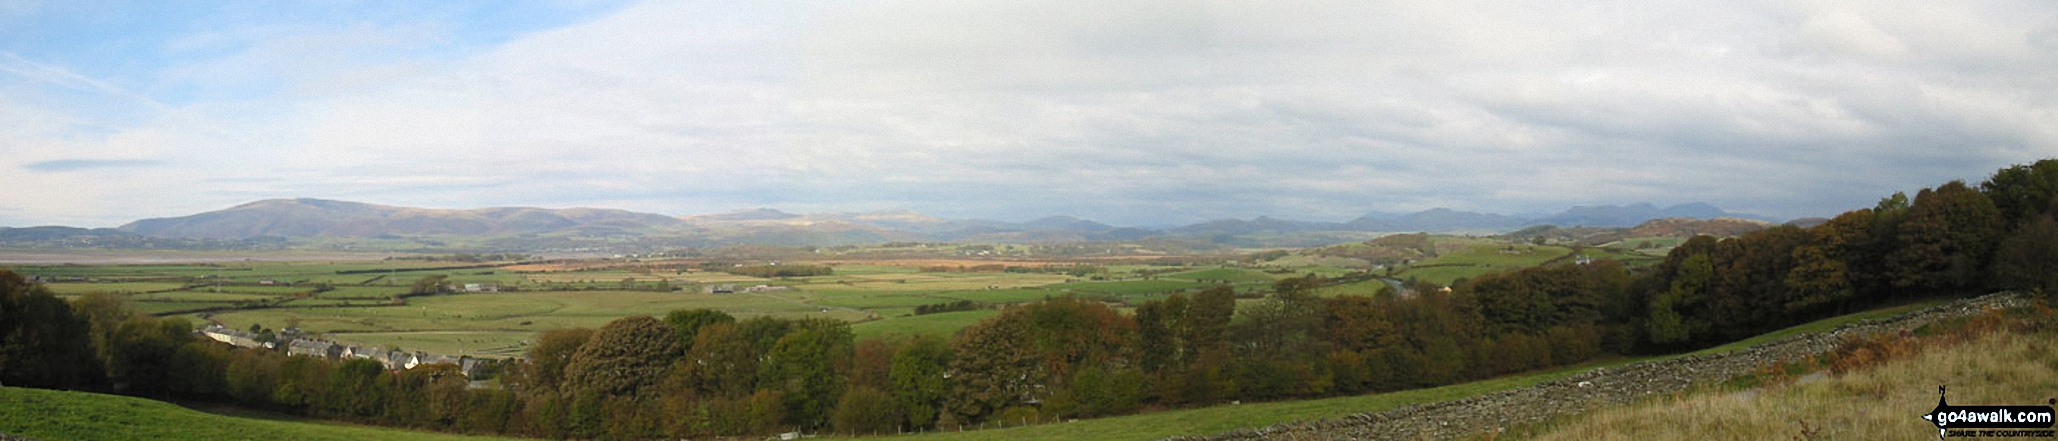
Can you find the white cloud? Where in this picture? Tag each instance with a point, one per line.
(1129, 112)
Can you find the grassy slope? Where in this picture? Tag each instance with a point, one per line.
(1217, 419)
(1879, 403)
(46, 414)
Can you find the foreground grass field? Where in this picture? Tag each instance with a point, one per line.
(1879, 403)
(60, 415)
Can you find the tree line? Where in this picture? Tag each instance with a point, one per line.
(695, 373)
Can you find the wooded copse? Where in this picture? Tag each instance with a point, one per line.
(702, 373)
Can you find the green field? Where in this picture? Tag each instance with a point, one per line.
(1657, 246)
(164, 307)
(65, 289)
(1223, 275)
(1366, 288)
(61, 415)
(1131, 287)
(1003, 295)
(866, 299)
(201, 296)
(1477, 259)
(361, 292)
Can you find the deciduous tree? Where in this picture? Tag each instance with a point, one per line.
(623, 357)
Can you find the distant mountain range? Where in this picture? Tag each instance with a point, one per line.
(1444, 220)
(273, 219)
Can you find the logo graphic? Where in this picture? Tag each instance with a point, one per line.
(1949, 419)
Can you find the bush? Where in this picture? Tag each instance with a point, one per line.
(1018, 415)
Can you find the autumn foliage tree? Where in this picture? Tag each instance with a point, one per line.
(622, 358)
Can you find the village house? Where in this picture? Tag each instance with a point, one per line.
(401, 360)
(314, 348)
(470, 366)
(234, 337)
(429, 359)
(362, 352)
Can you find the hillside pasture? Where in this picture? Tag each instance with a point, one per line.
(1300, 260)
(1654, 246)
(1366, 288)
(55, 415)
(1477, 259)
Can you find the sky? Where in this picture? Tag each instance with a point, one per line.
(1130, 113)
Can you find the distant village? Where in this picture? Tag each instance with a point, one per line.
(297, 343)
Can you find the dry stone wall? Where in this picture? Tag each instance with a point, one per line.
(1598, 387)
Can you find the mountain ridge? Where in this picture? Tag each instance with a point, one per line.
(310, 217)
